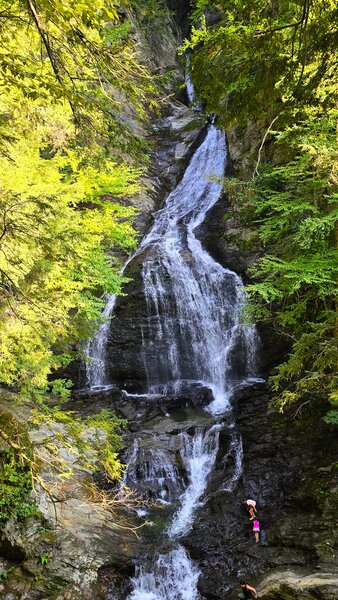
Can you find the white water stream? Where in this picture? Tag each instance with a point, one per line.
(96, 366)
(194, 304)
(198, 455)
(153, 474)
(174, 577)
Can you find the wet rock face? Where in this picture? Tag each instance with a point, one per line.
(290, 585)
(139, 410)
(284, 466)
(181, 10)
(58, 552)
(124, 355)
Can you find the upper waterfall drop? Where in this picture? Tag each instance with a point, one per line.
(193, 303)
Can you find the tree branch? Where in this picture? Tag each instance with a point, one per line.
(265, 31)
(44, 37)
(261, 146)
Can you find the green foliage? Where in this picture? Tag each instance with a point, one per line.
(15, 472)
(264, 60)
(295, 212)
(65, 72)
(5, 574)
(68, 70)
(277, 64)
(54, 267)
(94, 441)
(78, 54)
(15, 485)
(332, 416)
(151, 13)
(44, 558)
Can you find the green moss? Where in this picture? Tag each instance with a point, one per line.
(15, 485)
(192, 126)
(5, 574)
(15, 476)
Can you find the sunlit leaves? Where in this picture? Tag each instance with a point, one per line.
(68, 51)
(53, 268)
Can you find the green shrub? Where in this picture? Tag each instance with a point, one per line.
(15, 486)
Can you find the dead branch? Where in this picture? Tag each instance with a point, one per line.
(261, 146)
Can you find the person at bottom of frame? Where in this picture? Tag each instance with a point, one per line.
(247, 591)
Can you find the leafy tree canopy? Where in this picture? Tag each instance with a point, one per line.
(66, 71)
(53, 266)
(76, 53)
(276, 63)
(70, 82)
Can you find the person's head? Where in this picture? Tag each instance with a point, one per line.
(242, 582)
(244, 500)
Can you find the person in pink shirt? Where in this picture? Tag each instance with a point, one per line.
(256, 529)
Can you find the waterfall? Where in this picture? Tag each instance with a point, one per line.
(192, 335)
(188, 83)
(153, 473)
(193, 330)
(194, 304)
(190, 88)
(173, 577)
(96, 350)
(198, 455)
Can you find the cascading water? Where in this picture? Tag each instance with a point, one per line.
(96, 350)
(192, 334)
(198, 455)
(153, 473)
(173, 577)
(96, 366)
(193, 302)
